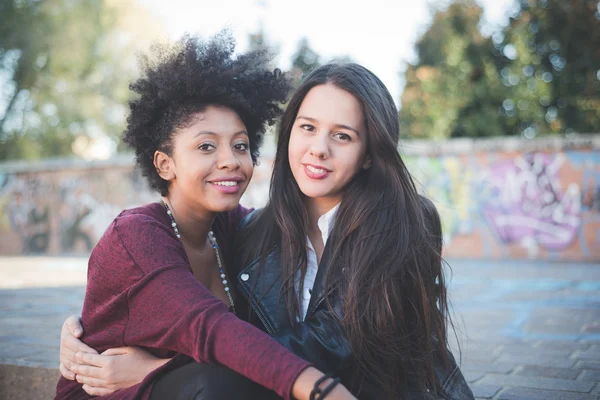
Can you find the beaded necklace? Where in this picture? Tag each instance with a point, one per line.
(213, 242)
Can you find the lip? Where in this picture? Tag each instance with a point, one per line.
(316, 175)
(227, 189)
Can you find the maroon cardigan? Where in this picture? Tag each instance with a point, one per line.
(141, 292)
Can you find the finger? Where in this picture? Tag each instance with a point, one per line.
(96, 360)
(76, 345)
(92, 382)
(117, 351)
(67, 357)
(96, 391)
(64, 371)
(73, 324)
(87, 370)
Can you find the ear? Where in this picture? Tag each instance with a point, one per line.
(164, 165)
(367, 163)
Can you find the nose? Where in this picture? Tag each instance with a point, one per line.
(319, 146)
(228, 160)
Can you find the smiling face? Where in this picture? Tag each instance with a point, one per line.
(210, 165)
(328, 143)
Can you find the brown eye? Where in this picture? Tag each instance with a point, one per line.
(344, 137)
(206, 147)
(241, 147)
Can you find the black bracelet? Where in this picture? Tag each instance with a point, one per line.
(323, 392)
(329, 388)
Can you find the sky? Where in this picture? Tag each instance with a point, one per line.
(379, 34)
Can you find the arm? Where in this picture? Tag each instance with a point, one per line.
(103, 374)
(169, 309)
(320, 340)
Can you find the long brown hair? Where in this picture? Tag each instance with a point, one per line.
(394, 313)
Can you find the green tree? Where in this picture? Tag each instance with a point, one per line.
(454, 89)
(65, 67)
(550, 62)
(539, 75)
(304, 60)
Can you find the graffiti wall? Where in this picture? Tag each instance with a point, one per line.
(516, 205)
(64, 211)
(494, 202)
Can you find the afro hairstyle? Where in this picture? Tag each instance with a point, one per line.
(181, 79)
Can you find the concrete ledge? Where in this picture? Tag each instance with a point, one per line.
(32, 383)
(411, 147)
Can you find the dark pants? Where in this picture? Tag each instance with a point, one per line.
(197, 381)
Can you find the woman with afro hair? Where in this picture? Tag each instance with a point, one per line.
(158, 277)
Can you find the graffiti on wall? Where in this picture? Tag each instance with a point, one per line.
(492, 204)
(546, 204)
(54, 213)
(528, 205)
(67, 211)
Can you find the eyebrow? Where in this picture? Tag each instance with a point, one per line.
(216, 134)
(336, 125)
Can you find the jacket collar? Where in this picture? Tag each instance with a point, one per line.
(261, 287)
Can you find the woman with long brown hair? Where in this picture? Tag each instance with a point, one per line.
(360, 272)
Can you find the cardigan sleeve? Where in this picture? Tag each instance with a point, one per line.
(170, 309)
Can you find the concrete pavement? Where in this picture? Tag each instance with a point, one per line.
(527, 330)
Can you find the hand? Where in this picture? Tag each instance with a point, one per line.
(70, 344)
(115, 369)
(305, 382)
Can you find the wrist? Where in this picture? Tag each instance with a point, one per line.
(305, 382)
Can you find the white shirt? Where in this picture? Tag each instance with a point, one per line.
(325, 224)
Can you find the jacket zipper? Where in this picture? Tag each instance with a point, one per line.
(257, 310)
(263, 320)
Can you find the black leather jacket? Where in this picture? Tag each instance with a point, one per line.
(319, 338)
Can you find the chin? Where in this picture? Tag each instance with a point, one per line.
(314, 193)
(225, 205)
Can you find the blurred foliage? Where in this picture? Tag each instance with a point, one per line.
(64, 72)
(304, 60)
(539, 75)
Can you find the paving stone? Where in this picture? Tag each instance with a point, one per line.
(562, 345)
(548, 372)
(593, 327)
(485, 391)
(16, 351)
(472, 376)
(585, 364)
(527, 359)
(537, 383)
(590, 375)
(533, 394)
(592, 355)
(489, 368)
(534, 352)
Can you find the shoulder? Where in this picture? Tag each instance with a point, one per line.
(248, 218)
(136, 224)
(230, 220)
(132, 218)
